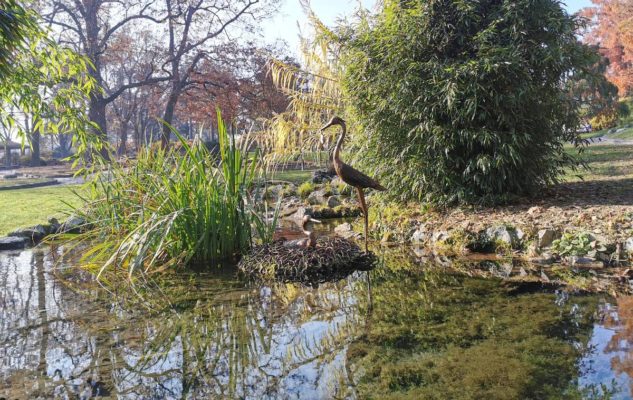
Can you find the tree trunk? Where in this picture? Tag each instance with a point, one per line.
(36, 160)
(168, 118)
(122, 150)
(7, 154)
(97, 114)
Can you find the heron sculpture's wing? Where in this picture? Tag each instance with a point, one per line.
(356, 178)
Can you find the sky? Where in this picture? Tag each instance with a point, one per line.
(285, 25)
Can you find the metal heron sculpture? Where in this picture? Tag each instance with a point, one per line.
(352, 176)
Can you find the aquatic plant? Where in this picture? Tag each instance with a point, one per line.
(175, 207)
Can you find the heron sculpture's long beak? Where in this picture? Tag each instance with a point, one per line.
(315, 220)
(324, 127)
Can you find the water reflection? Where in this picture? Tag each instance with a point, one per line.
(404, 330)
(260, 342)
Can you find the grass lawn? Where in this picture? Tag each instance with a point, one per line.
(28, 207)
(605, 162)
(295, 176)
(627, 133)
(594, 134)
(16, 182)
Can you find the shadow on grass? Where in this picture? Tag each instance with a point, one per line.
(615, 192)
(604, 153)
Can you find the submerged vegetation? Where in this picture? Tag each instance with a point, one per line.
(431, 335)
(175, 207)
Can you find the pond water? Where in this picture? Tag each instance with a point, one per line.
(403, 330)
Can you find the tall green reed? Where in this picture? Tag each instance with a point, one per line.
(176, 207)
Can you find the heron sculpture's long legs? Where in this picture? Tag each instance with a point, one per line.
(363, 207)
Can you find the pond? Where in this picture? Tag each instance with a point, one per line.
(404, 330)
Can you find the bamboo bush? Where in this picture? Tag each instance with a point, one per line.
(175, 207)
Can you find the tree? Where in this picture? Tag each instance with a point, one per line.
(45, 83)
(16, 25)
(611, 28)
(593, 92)
(131, 56)
(464, 102)
(241, 87)
(91, 26)
(194, 32)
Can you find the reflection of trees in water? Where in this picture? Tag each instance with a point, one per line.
(272, 341)
(36, 325)
(622, 340)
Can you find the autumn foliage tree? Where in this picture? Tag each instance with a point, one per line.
(611, 28)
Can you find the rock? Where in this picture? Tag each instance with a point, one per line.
(545, 237)
(318, 197)
(584, 263)
(419, 236)
(422, 253)
(54, 225)
(508, 235)
(520, 235)
(273, 192)
(302, 212)
(321, 176)
(333, 201)
(628, 245)
(345, 230)
(439, 236)
(544, 259)
(34, 233)
(73, 224)
(290, 206)
(13, 243)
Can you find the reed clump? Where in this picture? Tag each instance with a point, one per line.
(176, 207)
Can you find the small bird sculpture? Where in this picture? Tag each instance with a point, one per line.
(310, 240)
(350, 175)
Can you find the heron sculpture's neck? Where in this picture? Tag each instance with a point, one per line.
(311, 236)
(339, 142)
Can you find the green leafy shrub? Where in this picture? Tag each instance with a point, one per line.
(461, 101)
(572, 244)
(605, 120)
(305, 189)
(171, 208)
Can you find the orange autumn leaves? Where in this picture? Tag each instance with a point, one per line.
(610, 26)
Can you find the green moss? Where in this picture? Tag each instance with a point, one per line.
(327, 189)
(305, 189)
(457, 241)
(342, 188)
(289, 190)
